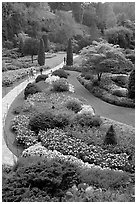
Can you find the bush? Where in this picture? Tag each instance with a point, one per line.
(61, 120)
(61, 73)
(120, 92)
(74, 105)
(41, 77)
(131, 85)
(4, 68)
(8, 44)
(86, 119)
(110, 138)
(31, 88)
(39, 178)
(119, 35)
(41, 121)
(131, 57)
(60, 85)
(17, 110)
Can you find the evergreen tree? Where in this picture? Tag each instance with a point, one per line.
(45, 39)
(41, 53)
(69, 61)
(131, 85)
(110, 138)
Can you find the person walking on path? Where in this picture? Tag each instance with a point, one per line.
(41, 70)
(34, 72)
(28, 74)
(64, 60)
(31, 73)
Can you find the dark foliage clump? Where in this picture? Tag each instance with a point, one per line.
(131, 85)
(69, 61)
(61, 73)
(41, 77)
(31, 88)
(110, 138)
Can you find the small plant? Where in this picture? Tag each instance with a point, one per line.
(31, 88)
(110, 138)
(17, 110)
(41, 77)
(60, 85)
(61, 120)
(61, 73)
(74, 105)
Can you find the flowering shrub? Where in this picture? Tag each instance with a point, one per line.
(60, 141)
(74, 105)
(51, 79)
(87, 109)
(60, 85)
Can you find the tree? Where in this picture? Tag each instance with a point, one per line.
(110, 138)
(41, 53)
(30, 47)
(45, 39)
(99, 65)
(69, 61)
(131, 85)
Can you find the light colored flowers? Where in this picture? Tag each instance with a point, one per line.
(52, 78)
(87, 109)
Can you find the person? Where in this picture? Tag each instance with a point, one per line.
(31, 73)
(34, 72)
(41, 70)
(28, 75)
(64, 60)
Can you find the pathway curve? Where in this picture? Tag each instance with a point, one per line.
(118, 113)
(7, 156)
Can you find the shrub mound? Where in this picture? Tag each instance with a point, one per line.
(60, 85)
(61, 73)
(41, 77)
(31, 88)
(74, 105)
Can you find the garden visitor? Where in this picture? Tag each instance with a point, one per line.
(31, 73)
(28, 75)
(41, 70)
(34, 71)
(64, 60)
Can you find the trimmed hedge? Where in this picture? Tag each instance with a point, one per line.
(61, 73)
(41, 77)
(31, 88)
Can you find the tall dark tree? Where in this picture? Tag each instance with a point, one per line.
(110, 138)
(45, 39)
(69, 61)
(41, 53)
(131, 85)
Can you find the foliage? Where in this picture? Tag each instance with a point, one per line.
(60, 85)
(131, 85)
(41, 53)
(31, 88)
(46, 43)
(119, 35)
(86, 119)
(61, 73)
(41, 77)
(30, 47)
(69, 60)
(110, 138)
(74, 105)
(39, 178)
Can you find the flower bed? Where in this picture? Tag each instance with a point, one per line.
(57, 140)
(100, 92)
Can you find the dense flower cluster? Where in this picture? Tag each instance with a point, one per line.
(87, 109)
(58, 140)
(39, 150)
(52, 78)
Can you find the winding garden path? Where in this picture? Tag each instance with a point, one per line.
(121, 114)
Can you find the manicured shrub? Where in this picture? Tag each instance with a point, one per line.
(39, 178)
(131, 85)
(41, 53)
(41, 77)
(17, 110)
(86, 119)
(60, 85)
(61, 120)
(110, 137)
(69, 61)
(61, 73)
(120, 92)
(42, 121)
(31, 88)
(74, 105)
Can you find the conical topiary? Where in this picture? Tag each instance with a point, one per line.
(131, 85)
(41, 53)
(45, 39)
(69, 60)
(110, 138)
